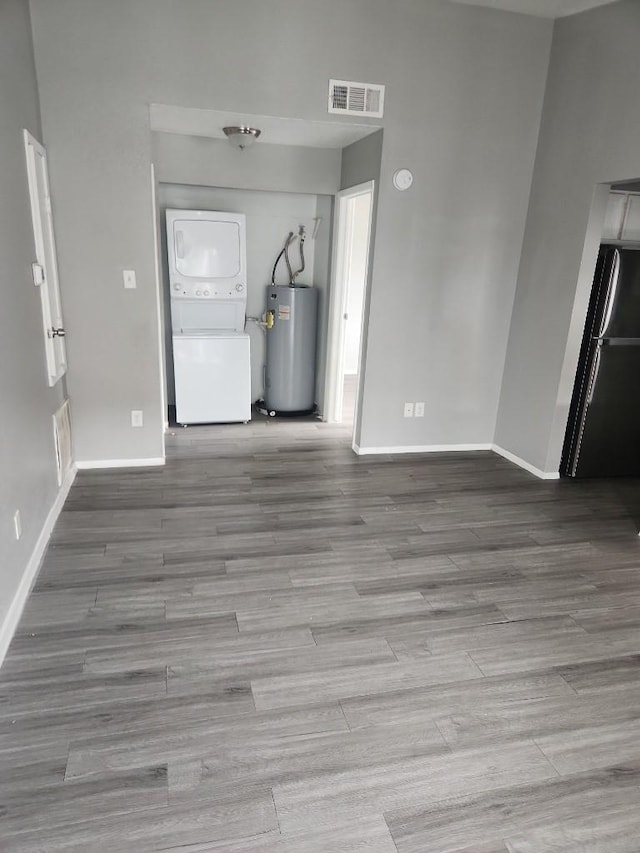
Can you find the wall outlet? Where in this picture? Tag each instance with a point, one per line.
(408, 410)
(137, 419)
(419, 410)
(129, 279)
(17, 523)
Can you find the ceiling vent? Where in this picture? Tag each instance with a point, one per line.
(356, 99)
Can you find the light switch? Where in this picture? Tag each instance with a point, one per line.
(129, 278)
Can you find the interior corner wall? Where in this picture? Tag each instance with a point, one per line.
(590, 136)
(447, 251)
(464, 94)
(27, 455)
(361, 161)
(99, 150)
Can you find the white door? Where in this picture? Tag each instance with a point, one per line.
(45, 268)
(352, 202)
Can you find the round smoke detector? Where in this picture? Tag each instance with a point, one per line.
(402, 179)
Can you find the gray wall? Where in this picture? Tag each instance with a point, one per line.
(590, 136)
(447, 250)
(181, 159)
(27, 462)
(463, 102)
(361, 161)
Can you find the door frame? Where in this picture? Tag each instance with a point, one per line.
(162, 367)
(342, 235)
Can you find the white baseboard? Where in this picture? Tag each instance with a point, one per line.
(7, 629)
(421, 448)
(538, 472)
(454, 448)
(147, 462)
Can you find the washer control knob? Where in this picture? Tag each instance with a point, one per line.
(239, 287)
(205, 292)
(177, 286)
(198, 293)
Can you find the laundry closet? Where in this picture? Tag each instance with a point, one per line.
(218, 245)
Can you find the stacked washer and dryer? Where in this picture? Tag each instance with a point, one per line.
(211, 353)
(208, 286)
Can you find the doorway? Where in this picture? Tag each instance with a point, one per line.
(352, 238)
(603, 418)
(270, 216)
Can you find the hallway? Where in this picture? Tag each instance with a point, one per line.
(271, 644)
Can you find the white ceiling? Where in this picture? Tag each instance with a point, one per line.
(540, 8)
(275, 130)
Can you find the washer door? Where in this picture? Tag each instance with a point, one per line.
(213, 378)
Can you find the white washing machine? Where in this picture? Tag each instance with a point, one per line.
(213, 377)
(211, 351)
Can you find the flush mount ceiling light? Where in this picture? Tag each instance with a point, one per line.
(241, 137)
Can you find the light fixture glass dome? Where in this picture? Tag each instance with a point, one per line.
(240, 136)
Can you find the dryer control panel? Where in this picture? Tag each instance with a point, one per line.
(207, 290)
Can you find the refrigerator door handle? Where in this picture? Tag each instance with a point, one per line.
(594, 376)
(611, 294)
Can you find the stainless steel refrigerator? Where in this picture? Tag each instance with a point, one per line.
(603, 431)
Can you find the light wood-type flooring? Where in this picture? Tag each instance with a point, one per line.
(273, 645)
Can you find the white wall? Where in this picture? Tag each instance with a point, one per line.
(463, 104)
(270, 218)
(590, 137)
(27, 461)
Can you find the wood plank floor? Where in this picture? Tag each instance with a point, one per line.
(274, 645)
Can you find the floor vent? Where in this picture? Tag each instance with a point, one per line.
(62, 439)
(356, 99)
